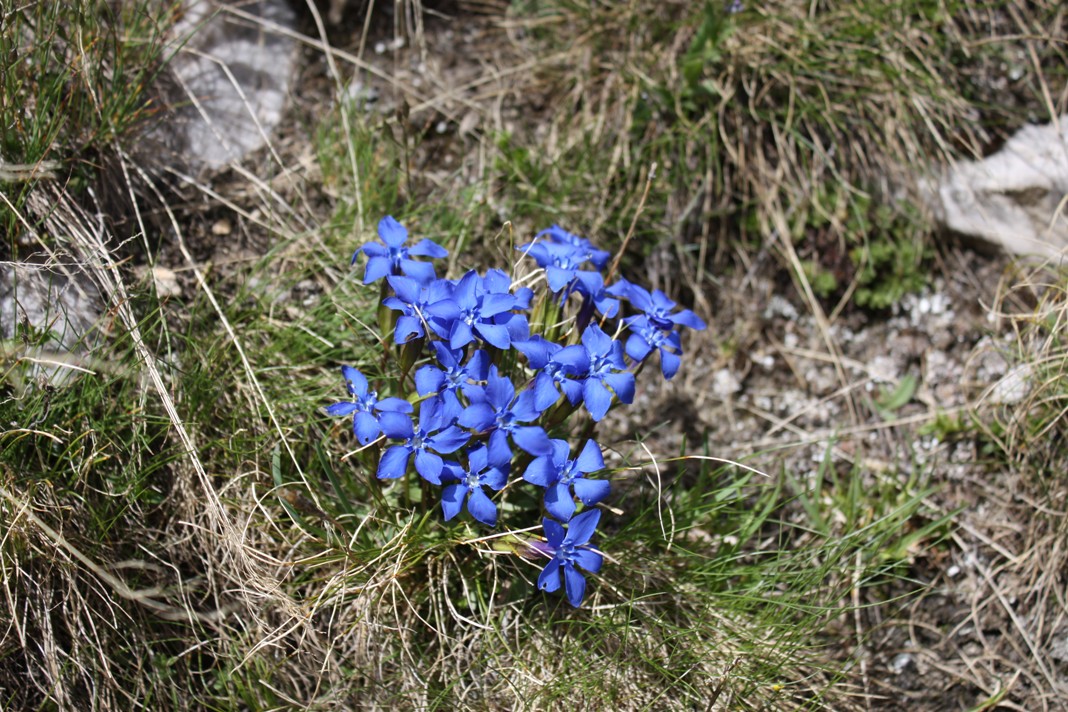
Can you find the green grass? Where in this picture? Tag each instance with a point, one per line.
(268, 567)
(76, 77)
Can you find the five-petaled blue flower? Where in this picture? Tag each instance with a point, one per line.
(644, 337)
(551, 377)
(557, 234)
(658, 308)
(417, 303)
(569, 551)
(483, 470)
(600, 359)
(559, 475)
(394, 257)
(433, 434)
(453, 378)
(496, 409)
(363, 405)
(483, 309)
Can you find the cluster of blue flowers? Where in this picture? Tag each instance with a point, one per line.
(477, 418)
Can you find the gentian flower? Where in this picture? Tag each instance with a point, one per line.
(568, 551)
(433, 433)
(600, 358)
(484, 311)
(496, 409)
(557, 234)
(482, 471)
(658, 308)
(559, 475)
(550, 374)
(644, 337)
(560, 261)
(418, 302)
(591, 286)
(394, 257)
(451, 380)
(363, 405)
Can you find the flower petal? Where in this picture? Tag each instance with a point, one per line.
(558, 502)
(428, 248)
(377, 268)
(590, 459)
(452, 500)
(482, 508)
(622, 384)
(541, 472)
(637, 347)
(477, 417)
(598, 398)
(448, 440)
(498, 447)
(591, 491)
(595, 340)
(394, 463)
(582, 527)
(365, 427)
(669, 364)
(460, 335)
(356, 381)
(429, 379)
(429, 466)
(392, 232)
(396, 405)
(422, 272)
(554, 532)
(575, 585)
(574, 357)
(549, 578)
(342, 408)
(589, 559)
(494, 478)
(494, 334)
(532, 439)
(397, 426)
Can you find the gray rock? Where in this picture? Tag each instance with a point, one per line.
(1013, 198)
(58, 310)
(232, 70)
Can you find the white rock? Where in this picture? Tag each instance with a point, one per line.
(1011, 198)
(1013, 387)
(234, 75)
(725, 384)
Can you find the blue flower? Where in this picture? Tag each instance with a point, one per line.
(363, 405)
(496, 409)
(448, 383)
(560, 261)
(644, 337)
(600, 359)
(483, 470)
(658, 308)
(394, 257)
(591, 286)
(569, 552)
(484, 311)
(551, 376)
(557, 234)
(560, 475)
(433, 433)
(417, 303)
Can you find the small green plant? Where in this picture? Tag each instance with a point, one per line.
(76, 77)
